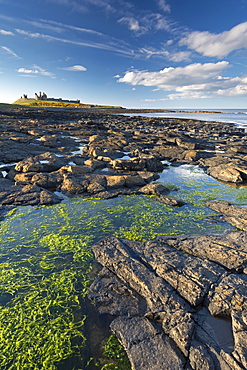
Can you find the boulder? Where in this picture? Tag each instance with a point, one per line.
(170, 201)
(29, 165)
(132, 164)
(154, 189)
(191, 155)
(97, 183)
(114, 182)
(46, 162)
(23, 178)
(73, 184)
(27, 195)
(227, 173)
(149, 163)
(76, 169)
(185, 143)
(134, 181)
(47, 180)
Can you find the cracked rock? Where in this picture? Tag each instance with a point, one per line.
(157, 293)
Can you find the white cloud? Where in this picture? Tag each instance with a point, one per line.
(169, 42)
(190, 82)
(36, 71)
(164, 6)
(24, 70)
(168, 78)
(76, 68)
(6, 33)
(217, 45)
(10, 51)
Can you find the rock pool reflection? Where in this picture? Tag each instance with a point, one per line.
(46, 261)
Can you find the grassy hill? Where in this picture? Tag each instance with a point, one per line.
(48, 103)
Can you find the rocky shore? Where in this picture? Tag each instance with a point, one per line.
(165, 292)
(46, 152)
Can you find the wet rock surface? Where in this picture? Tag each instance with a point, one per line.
(157, 293)
(167, 295)
(97, 153)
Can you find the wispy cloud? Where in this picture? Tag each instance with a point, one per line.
(6, 33)
(97, 45)
(79, 6)
(63, 25)
(164, 6)
(143, 24)
(217, 45)
(163, 53)
(190, 82)
(44, 72)
(46, 25)
(76, 68)
(132, 23)
(179, 56)
(10, 51)
(36, 71)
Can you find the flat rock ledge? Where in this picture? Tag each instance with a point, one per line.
(167, 296)
(100, 154)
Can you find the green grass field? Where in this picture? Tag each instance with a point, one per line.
(48, 103)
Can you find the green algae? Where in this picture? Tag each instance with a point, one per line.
(46, 263)
(114, 356)
(41, 324)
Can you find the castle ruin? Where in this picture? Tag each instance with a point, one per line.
(43, 96)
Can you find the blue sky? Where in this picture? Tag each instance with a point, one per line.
(142, 53)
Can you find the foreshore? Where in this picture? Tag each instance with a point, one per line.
(41, 155)
(163, 292)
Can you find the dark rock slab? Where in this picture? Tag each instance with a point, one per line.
(230, 299)
(11, 194)
(46, 162)
(160, 286)
(139, 335)
(235, 215)
(143, 161)
(220, 249)
(111, 295)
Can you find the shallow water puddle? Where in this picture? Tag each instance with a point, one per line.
(46, 262)
(222, 328)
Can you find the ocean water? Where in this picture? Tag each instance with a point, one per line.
(235, 116)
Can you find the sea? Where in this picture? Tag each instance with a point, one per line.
(235, 116)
